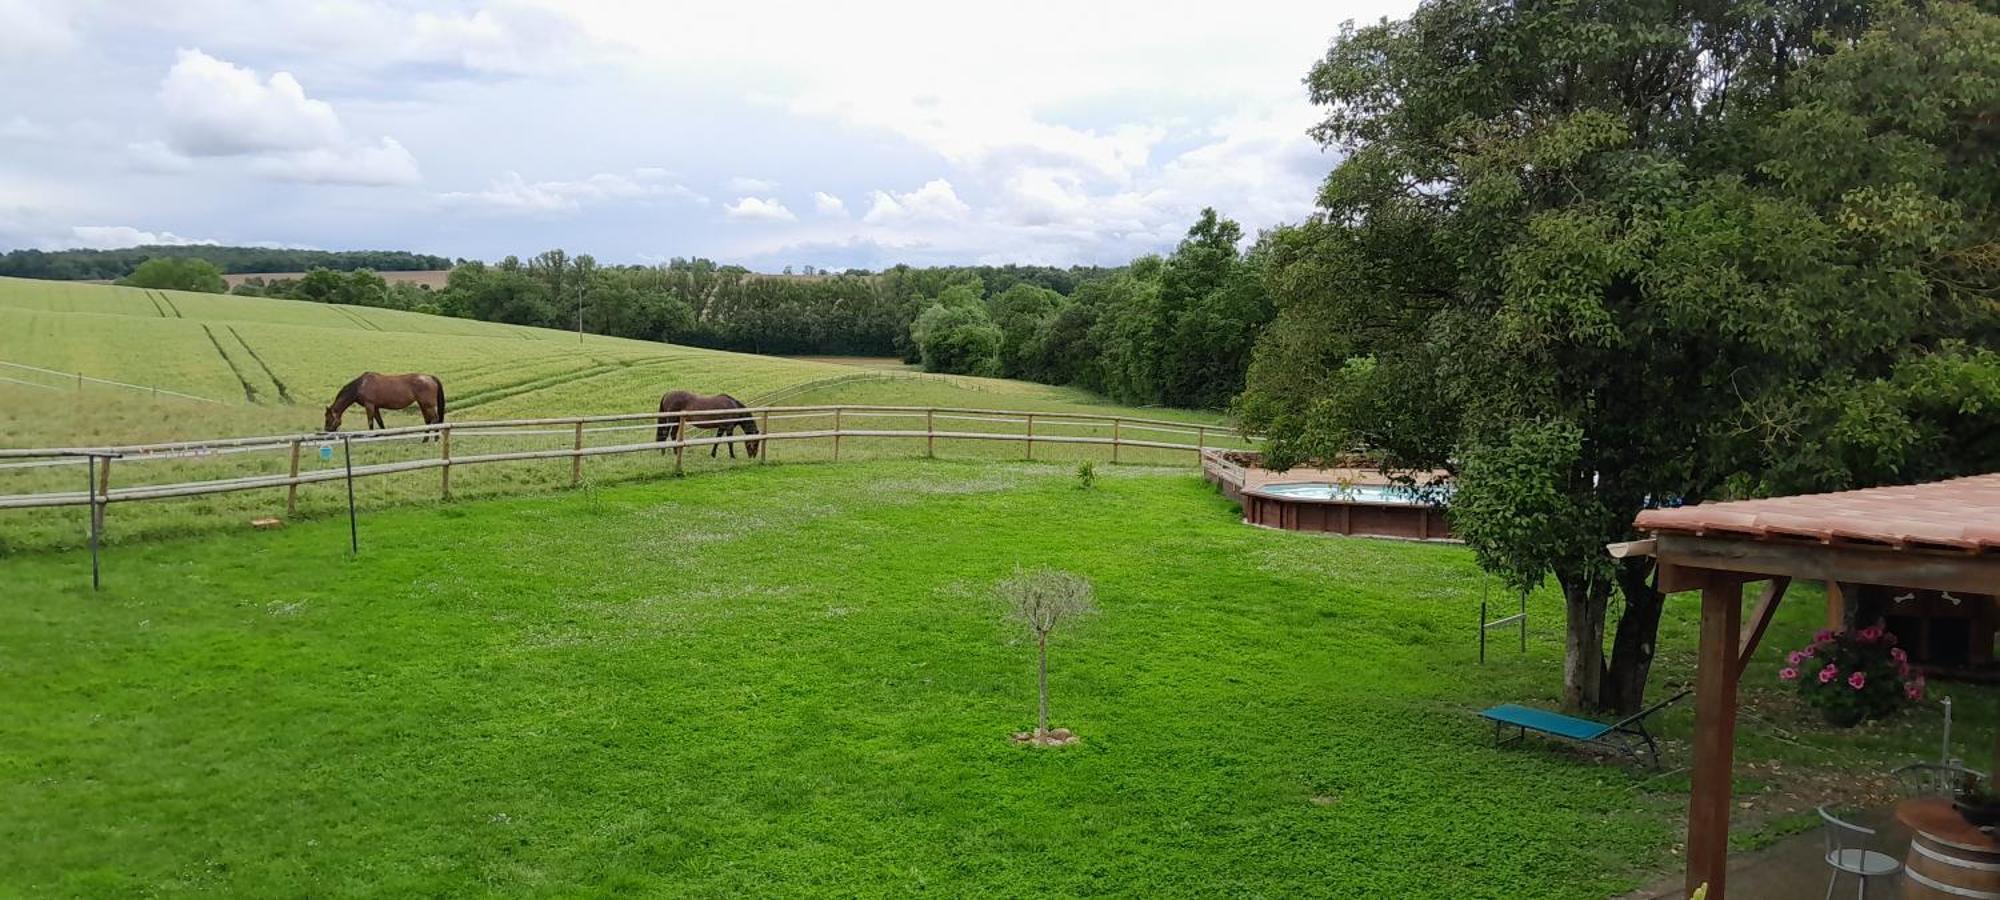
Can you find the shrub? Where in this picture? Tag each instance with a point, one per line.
(1851, 676)
(1086, 475)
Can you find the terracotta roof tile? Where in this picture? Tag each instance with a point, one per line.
(1962, 514)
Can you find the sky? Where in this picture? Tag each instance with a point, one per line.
(833, 135)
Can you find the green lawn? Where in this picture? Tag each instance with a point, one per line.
(792, 680)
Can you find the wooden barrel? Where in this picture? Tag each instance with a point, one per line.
(1950, 860)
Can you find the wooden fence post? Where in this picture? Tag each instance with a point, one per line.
(836, 434)
(292, 490)
(680, 443)
(1200, 442)
(1114, 440)
(930, 433)
(1031, 437)
(444, 452)
(764, 428)
(576, 458)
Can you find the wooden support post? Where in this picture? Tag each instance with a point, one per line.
(680, 443)
(764, 428)
(292, 490)
(1200, 442)
(1114, 440)
(836, 434)
(930, 434)
(1031, 437)
(1714, 735)
(1836, 605)
(576, 458)
(444, 472)
(1767, 606)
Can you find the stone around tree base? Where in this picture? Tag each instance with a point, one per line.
(1054, 737)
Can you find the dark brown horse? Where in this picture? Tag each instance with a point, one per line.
(376, 392)
(721, 422)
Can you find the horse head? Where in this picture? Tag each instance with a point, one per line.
(332, 419)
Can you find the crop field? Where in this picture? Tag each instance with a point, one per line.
(794, 680)
(271, 365)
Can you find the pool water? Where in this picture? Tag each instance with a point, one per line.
(1359, 493)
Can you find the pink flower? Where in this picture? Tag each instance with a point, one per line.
(1914, 689)
(1871, 634)
(1788, 673)
(1857, 680)
(1828, 674)
(1796, 657)
(1897, 654)
(1823, 635)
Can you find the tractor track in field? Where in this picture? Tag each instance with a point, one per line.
(355, 318)
(506, 391)
(156, 305)
(169, 301)
(284, 393)
(249, 390)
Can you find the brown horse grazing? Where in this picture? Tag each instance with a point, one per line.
(376, 392)
(722, 423)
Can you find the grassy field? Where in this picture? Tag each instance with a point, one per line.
(792, 680)
(271, 365)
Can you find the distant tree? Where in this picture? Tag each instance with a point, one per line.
(958, 339)
(1043, 600)
(166, 273)
(320, 286)
(1021, 312)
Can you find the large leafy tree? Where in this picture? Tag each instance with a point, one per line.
(1591, 256)
(177, 274)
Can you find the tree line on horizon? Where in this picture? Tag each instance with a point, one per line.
(107, 265)
(1175, 330)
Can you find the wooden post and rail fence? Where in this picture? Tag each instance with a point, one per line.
(1035, 427)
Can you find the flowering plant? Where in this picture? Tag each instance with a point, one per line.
(1853, 675)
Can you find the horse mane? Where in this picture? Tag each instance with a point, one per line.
(349, 393)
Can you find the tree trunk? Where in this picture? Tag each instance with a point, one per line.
(1583, 650)
(1632, 647)
(1042, 719)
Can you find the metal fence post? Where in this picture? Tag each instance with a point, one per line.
(836, 434)
(930, 433)
(1114, 440)
(764, 428)
(353, 529)
(1031, 437)
(576, 457)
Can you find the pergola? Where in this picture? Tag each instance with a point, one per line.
(1942, 536)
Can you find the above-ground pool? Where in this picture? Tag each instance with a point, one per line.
(1378, 510)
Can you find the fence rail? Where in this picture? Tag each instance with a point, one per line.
(81, 379)
(101, 493)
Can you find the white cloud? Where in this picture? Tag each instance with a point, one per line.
(215, 108)
(756, 209)
(745, 185)
(828, 205)
(112, 237)
(513, 194)
(156, 157)
(379, 165)
(935, 201)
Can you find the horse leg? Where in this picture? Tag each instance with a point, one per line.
(732, 444)
(722, 431)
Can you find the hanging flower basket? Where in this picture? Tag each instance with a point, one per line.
(1853, 676)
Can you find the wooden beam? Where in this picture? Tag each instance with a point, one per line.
(1631, 548)
(1838, 598)
(1833, 562)
(1714, 739)
(1675, 578)
(1767, 605)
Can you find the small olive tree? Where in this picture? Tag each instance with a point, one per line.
(1042, 600)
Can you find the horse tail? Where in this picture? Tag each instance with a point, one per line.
(440, 384)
